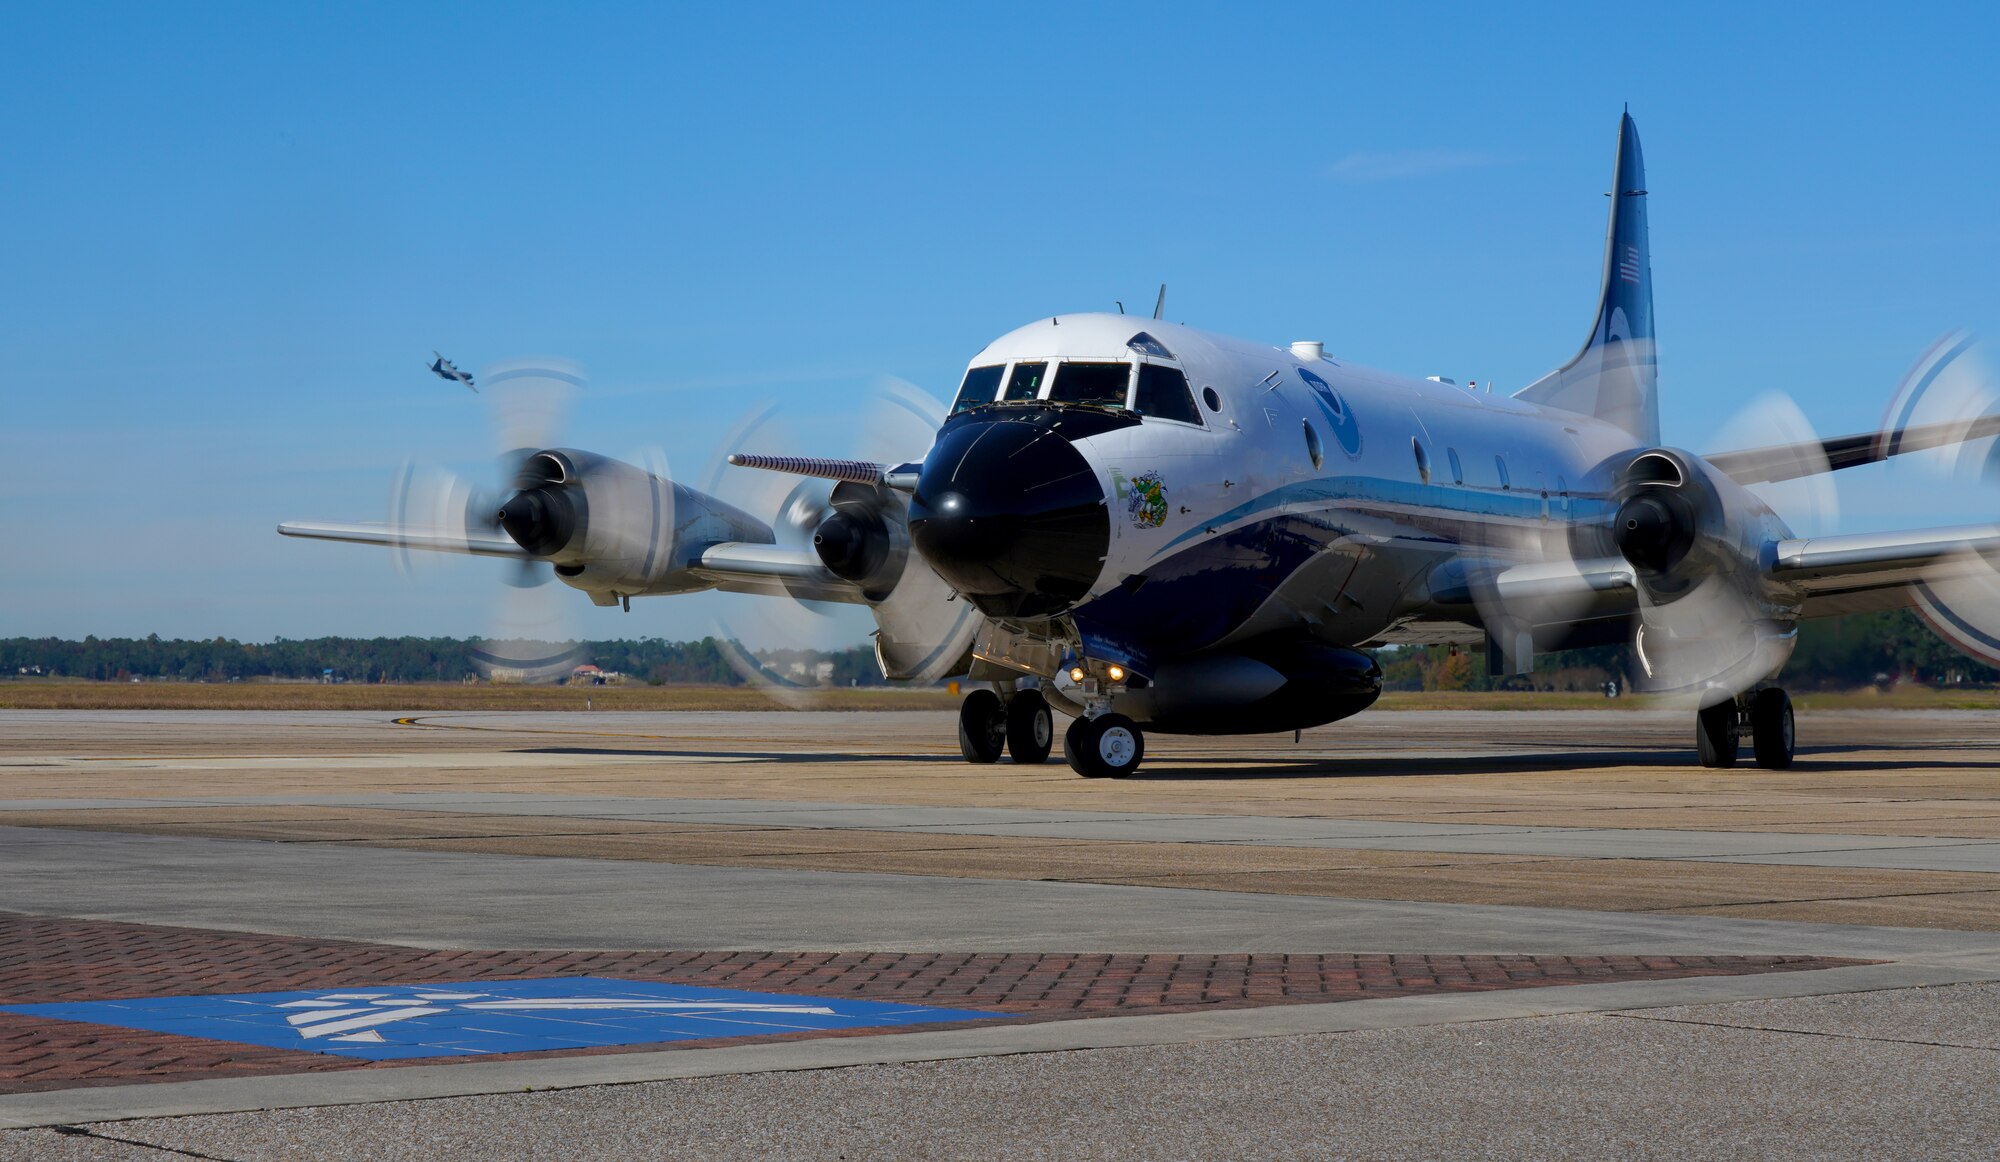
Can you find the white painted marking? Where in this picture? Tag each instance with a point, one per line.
(321, 1015)
(377, 1017)
(531, 1003)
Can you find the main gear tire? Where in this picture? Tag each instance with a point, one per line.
(982, 727)
(1031, 728)
(1715, 734)
(1772, 737)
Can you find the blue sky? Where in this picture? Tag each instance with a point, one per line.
(233, 233)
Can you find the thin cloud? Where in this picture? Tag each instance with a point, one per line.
(1402, 164)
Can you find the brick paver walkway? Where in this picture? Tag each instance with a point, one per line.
(44, 959)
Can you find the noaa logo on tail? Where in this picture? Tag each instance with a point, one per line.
(1346, 432)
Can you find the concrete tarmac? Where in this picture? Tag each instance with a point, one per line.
(1413, 832)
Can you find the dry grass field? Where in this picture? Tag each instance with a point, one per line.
(59, 695)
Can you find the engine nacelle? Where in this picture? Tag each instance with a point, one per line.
(613, 530)
(1274, 687)
(1708, 617)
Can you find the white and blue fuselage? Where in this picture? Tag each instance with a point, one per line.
(1300, 493)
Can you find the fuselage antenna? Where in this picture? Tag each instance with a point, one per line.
(1160, 304)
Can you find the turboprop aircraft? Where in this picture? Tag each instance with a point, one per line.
(1149, 527)
(444, 369)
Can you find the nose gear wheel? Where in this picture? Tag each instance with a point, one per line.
(1109, 746)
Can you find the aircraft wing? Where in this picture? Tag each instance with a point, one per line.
(1790, 461)
(1862, 572)
(774, 571)
(439, 540)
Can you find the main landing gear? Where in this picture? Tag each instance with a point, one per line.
(1021, 725)
(1764, 716)
(1018, 723)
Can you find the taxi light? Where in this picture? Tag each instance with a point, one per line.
(1117, 673)
(1076, 673)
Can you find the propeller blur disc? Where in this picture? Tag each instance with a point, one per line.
(1809, 502)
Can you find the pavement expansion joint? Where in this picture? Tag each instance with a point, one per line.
(1645, 1016)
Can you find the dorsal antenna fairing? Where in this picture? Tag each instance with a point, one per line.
(1160, 304)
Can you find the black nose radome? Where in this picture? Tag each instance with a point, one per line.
(541, 520)
(1011, 515)
(1654, 531)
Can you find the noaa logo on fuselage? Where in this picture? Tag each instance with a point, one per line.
(1346, 432)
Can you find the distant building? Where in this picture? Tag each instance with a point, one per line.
(589, 675)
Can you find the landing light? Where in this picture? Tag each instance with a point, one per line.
(1076, 673)
(1117, 673)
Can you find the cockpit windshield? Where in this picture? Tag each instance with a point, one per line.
(1026, 382)
(1102, 384)
(978, 388)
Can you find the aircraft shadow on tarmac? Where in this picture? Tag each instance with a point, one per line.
(1169, 768)
(1189, 767)
(762, 756)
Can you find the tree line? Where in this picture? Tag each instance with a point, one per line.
(403, 659)
(1836, 653)
(1833, 653)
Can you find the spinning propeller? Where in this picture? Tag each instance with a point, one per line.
(1674, 544)
(531, 637)
(836, 510)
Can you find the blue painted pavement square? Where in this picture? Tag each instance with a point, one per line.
(386, 1022)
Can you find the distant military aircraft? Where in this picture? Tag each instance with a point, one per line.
(443, 369)
(1144, 525)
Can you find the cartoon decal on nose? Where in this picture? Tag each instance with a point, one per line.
(1145, 497)
(1345, 431)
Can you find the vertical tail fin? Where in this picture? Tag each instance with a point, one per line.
(1616, 377)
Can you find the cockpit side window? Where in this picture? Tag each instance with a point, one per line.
(1103, 384)
(1163, 393)
(978, 388)
(1026, 382)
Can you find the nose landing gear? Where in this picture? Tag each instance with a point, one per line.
(1020, 725)
(1764, 716)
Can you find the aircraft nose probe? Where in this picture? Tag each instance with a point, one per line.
(1012, 516)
